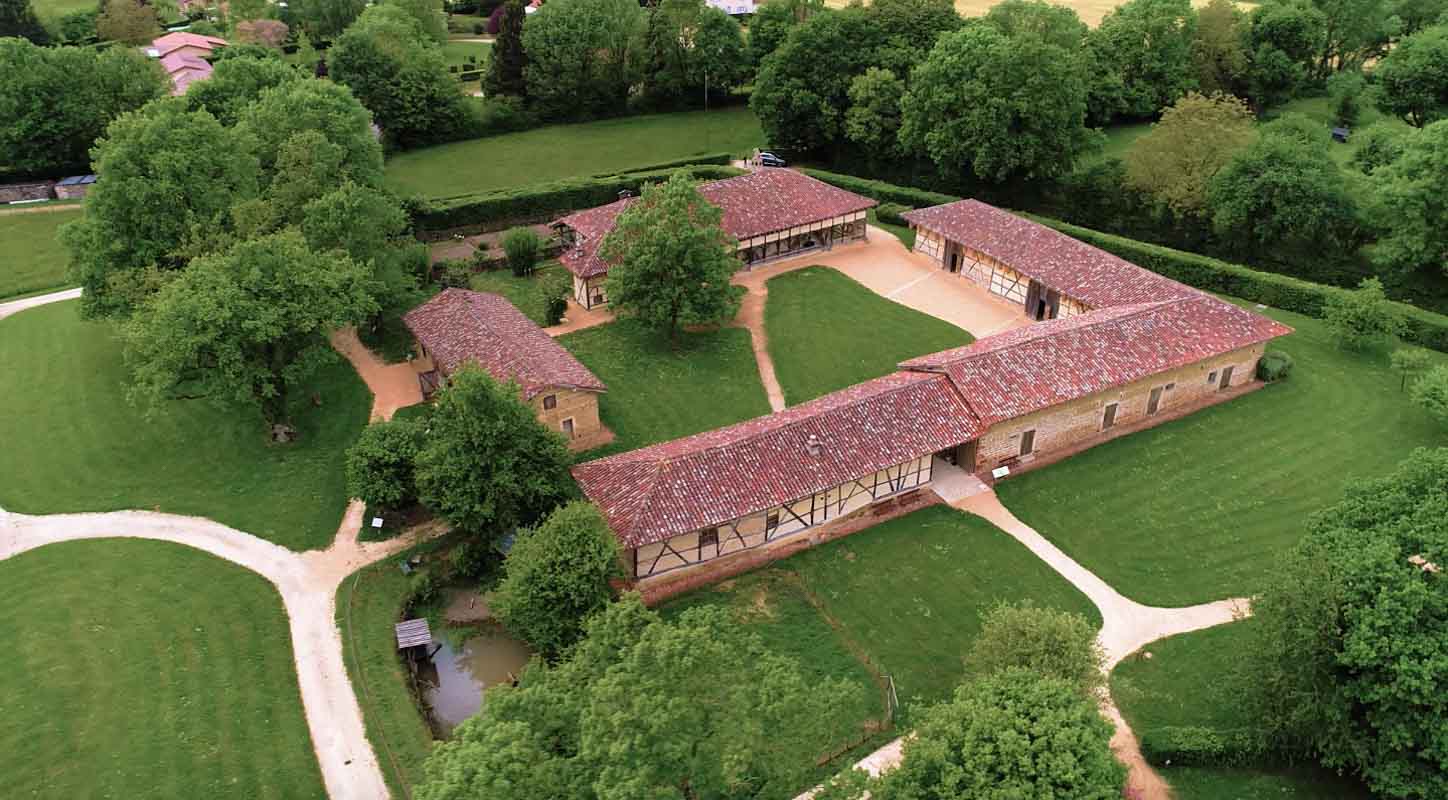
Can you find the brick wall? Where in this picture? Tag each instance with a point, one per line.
(657, 590)
(581, 407)
(36, 190)
(1069, 424)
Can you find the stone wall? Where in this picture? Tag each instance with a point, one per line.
(581, 407)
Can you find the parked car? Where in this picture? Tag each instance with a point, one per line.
(768, 159)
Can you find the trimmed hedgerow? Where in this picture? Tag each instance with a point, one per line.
(1196, 746)
(889, 213)
(880, 190)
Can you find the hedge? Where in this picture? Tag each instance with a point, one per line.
(1423, 327)
(542, 201)
(1193, 746)
(717, 159)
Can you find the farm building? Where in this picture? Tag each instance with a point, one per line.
(773, 213)
(1133, 350)
(185, 57)
(458, 326)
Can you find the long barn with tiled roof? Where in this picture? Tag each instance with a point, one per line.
(1115, 348)
(773, 213)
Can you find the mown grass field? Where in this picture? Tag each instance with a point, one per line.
(31, 258)
(656, 393)
(906, 595)
(1200, 508)
(147, 669)
(826, 332)
(525, 292)
(1090, 11)
(72, 441)
(1189, 681)
(563, 151)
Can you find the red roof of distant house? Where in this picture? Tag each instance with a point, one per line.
(1026, 369)
(172, 41)
(651, 494)
(1070, 266)
(459, 325)
(763, 201)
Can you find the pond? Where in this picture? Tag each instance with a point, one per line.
(453, 683)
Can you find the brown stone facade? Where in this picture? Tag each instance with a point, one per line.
(658, 589)
(1065, 426)
(572, 413)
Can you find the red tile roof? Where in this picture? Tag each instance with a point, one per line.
(1070, 266)
(653, 493)
(460, 325)
(761, 202)
(1027, 369)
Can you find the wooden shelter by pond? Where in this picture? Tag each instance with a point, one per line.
(773, 213)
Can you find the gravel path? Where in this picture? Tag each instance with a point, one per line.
(17, 306)
(308, 585)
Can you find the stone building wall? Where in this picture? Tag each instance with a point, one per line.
(581, 407)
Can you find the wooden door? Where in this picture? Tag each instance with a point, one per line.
(1226, 378)
(1154, 402)
(1108, 417)
(1033, 299)
(965, 455)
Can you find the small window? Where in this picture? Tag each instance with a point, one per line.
(550, 402)
(772, 521)
(1028, 442)
(1170, 386)
(1226, 378)
(1212, 377)
(568, 427)
(1153, 403)
(1108, 417)
(709, 537)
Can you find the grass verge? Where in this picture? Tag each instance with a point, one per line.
(656, 393)
(32, 260)
(74, 443)
(826, 332)
(1197, 509)
(565, 151)
(148, 669)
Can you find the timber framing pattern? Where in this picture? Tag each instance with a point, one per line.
(1115, 345)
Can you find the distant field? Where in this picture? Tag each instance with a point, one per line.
(1090, 11)
(563, 151)
(31, 258)
(49, 10)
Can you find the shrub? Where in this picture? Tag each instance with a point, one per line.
(455, 274)
(1274, 366)
(521, 246)
(1379, 144)
(555, 288)
(1431, 393)
(422, 589)
(472, 559)
(1195, 746)
(479, 27)
(1363, 318)
(889, 213)
(1057, 644)
(1410, 362)
(380, 464)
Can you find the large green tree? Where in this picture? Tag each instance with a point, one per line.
(689, 46)
(52, 117)
(1054, 24)
(1413, 78)
(1282, 39)
(1147, 46)
(322, 106)
(556, 577)
(1196, 137)
(1056, 644)
(17, 19)
(380, 464)
(584, 56)
(1283, 197)
(1351, 634)
(127, 22)
(431, 19)
(1219, 49)
(996, 106)
(1015, 733)
(768, 28)
(400, 74)
(672, 259)
(168, 180)
(236, 83)
(489, 465)
(509, 60)
(245, 326)
(1410, 204)
(696, 707)
(325, 19)
(873, 119)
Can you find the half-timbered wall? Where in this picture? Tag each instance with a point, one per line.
(785, 241)
(588, 292)
(993, 276)
(773, 523)
(1072, 423)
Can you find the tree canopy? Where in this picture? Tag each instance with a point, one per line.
(693, 707)
(995, 106)
(17, 19)
(583, 56)
(51, 118)
(1147, 46)
(672, 259)
(380, 464)
(688, 43)
(489, 465)
(246, 325)
(1056, 644)
(1351, 634)
(236, 83)
(1195, 138)
(1411, 203)
(1363, 318)
(1413, 77)
(325, 19)
(127, 22)
(509, 60)
(556, 577)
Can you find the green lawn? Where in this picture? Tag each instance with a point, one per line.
(369, 603)
(1119, 140)
(826, 332)
(72, 442)
(52, 10)
(904, 233)
(521, 292)
(31, 259)
(656, 393)
(458, 52)
(147, 669)
(1198, 509)
(1189, 681)
(563, 151)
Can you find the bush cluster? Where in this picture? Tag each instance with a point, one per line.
(1274, 366)
(521, 246)
(880, 190)
(890, 213)
(1196, 746)
(541, 201)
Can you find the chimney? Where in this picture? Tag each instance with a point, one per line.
(814, 445)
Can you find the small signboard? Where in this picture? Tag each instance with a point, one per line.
(377, 522)
(1000, 472)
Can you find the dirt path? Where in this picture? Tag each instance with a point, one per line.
(578, 318)
(393, 386)
(751, 318)
(23, 209)
(308, 585)
(16, 306)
